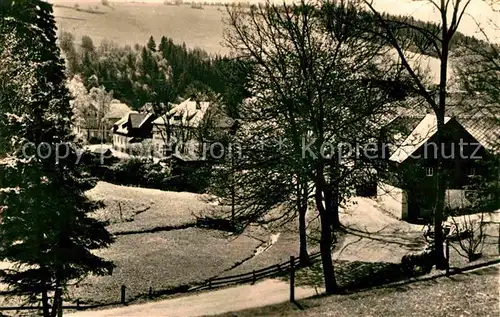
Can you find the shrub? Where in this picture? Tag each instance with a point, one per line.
(144, 173)
(129, 172)
(192, 177)
(470, 233)
(94, 140)
(420, 262)
(137, 172)
(105, 2)
(219, 224)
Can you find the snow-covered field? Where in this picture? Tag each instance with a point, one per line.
(133, 21)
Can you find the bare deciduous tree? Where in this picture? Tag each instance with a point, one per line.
(451, 13)
(313, 90)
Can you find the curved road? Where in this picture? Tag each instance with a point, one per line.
(237, 298)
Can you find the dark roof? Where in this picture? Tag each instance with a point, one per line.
(136, 140)
(485, 130)
(187, 158)
(133, 121)
(136, 119)
(457, 105)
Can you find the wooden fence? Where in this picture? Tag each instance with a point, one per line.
(250, 277)
(254, 276)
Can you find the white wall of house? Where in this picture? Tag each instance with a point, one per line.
(182, 141)
(120, 142)
(158, 143)
(92, 130)
(393, 200)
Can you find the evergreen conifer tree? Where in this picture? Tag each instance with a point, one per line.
(152, 44)
(45, 227)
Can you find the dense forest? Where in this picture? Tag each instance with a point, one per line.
(153, 73)
(159, 74)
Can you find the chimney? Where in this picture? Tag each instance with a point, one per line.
(198, 104)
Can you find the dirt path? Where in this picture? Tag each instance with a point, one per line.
(237, 298)
(375, 236)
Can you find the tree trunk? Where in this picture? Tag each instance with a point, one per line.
(233, 191)
(438, 227)
(56, 304)
(332, 198)
(326, 245)
(441, 188)
(303, 255)
(332, 207)
(302, 197)
(439, 210)
(45, 302)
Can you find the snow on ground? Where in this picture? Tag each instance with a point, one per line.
(492, 217)
(375, 236)
(272, 240)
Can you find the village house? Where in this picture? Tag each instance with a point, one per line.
(90, 127)
(178, 127)
(471, 141)
(132, 132)
(180, 131)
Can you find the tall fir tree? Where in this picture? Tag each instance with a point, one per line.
(45, 228)
(151, 44)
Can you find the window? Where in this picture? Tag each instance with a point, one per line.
(429, 171)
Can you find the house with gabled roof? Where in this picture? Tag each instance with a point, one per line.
(92, 127)
(179, 130)
(132, 131)
(471, 139)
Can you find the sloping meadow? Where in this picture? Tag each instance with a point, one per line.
(163, 261)
(132, 209)
(157, 244)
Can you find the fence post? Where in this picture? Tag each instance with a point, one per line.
(292, 279)
(60, 303)
(150, 292)
(123, 295)
(254, 279)
(77, 304)
(279, 267)
(447, 257)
